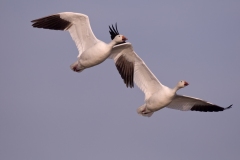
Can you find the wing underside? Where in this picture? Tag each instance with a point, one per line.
(76, 23)
(186, 103)
(132, 68)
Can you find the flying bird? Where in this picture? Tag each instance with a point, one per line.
(157, 96)
(92, 51)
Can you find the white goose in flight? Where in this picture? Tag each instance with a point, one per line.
(91, 50)
(157, 96)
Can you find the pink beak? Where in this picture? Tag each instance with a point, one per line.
(186, 83)
(124, 38)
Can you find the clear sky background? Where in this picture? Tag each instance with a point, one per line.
(48, 112)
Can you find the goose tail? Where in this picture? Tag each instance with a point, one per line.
(76, 67)
(142, 111)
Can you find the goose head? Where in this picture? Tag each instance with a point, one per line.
(115, 36)
(119, 39)
(182, 84)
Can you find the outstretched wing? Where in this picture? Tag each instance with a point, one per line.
(186, 103)
(76, 23)
(132, 68)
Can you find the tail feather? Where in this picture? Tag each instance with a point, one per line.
(76, 67)
(141, 110)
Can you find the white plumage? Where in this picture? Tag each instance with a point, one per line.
(130, 66)
(91, 50)
(157, 95)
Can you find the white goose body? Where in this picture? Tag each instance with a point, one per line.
(95, 55)
(159, 100)
(157, 96)
(92, 51)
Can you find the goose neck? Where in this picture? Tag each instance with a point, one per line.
(112, 43)
(176, 88)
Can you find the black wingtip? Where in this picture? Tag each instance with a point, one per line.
(113, 31)
(54, 22)
(116, 27)
(126, 70)
(228, 107)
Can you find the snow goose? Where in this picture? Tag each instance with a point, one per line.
(157, 96)
(91, 50)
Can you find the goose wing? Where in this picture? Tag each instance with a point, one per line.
(132, 68)
(186, 103)
(76, 23)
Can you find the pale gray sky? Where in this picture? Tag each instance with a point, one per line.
(48, 112)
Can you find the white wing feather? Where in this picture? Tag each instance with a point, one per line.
(143, 77)
(80, 30)
(185, 103)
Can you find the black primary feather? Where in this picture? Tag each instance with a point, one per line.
(209, 108)
(113, 31)
(52, 22)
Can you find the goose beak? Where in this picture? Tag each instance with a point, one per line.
(186, 83)
(124, 38)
